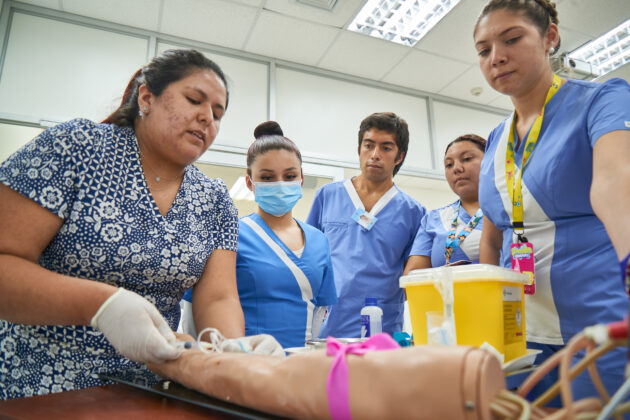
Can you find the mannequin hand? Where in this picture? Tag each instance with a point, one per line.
(135, 328)
(258, 344)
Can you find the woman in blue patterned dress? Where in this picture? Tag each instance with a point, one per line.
(104, 226)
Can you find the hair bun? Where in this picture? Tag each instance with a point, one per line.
(268, 128)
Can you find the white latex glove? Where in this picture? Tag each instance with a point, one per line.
(136, 328)
(259, 344)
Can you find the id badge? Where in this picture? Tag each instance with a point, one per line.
(363, 218)
(522, 256)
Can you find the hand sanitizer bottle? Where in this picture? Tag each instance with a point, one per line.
(371, 318)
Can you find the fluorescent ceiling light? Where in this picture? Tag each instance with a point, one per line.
(608, 52)
(239, 190)
(402, 21)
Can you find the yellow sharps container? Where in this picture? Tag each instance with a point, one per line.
(488, 304)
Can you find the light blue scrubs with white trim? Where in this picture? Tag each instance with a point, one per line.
(577, 270)
(367, 263)
(279, 290)
(272, 299)
(430, 240)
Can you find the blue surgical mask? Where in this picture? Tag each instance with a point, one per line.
(277, 198)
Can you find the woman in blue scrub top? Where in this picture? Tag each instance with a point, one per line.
(575, 139)
(283, 267)
(452, 233)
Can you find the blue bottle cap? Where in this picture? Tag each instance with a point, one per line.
(371, 301)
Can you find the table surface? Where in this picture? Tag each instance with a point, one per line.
(105, 402)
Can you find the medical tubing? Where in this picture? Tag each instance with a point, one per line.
(507, 405)
(618, 397)
(503, 407)
(575, 371)
(539, 373)
(622, 409)
(500, 407)
(592, 370)
(581, 406)
(576, 343)
(216, 338)
(521, 403)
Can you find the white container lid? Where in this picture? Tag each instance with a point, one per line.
(470, 272)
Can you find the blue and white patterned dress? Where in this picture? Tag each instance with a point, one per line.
(90, 176)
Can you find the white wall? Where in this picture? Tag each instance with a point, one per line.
(451, 121)
(323, 115)
(57, 71)
(12, 137)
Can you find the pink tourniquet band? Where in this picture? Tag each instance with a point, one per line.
(337, 382)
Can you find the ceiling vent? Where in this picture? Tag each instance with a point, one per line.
(320, 4)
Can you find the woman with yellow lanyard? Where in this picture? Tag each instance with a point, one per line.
(553, 179)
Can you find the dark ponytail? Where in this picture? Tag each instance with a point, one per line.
(169, 67)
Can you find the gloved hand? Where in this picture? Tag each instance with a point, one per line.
(258, 344)
(136, 328)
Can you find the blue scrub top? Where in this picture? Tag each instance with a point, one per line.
(577, 272)
(269, 293)
(367, 263)
(430, 240)
(268, 290)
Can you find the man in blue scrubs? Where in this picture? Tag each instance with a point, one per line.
(371, 225)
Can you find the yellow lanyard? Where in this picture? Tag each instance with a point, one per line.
(514, 179)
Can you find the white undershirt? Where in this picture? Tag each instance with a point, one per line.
(299, 252)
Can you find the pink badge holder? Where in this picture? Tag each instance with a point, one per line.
(522, 256)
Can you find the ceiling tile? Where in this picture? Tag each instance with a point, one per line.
(362, 55)
(417, 71)
(460, 88)
(570, 39)
(213, 21)
(139, 13)
(452, 37)
(593, 18)
(275, 35)
(343, 12)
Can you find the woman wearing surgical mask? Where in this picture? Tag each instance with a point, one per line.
(283, 267)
